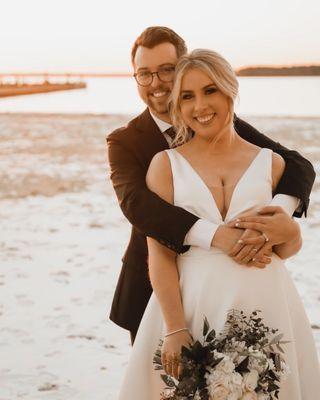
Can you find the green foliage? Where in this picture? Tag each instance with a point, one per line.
(199, 359)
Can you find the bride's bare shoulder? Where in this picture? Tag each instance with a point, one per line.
(159, 176)
(160, 163)
(278, 166)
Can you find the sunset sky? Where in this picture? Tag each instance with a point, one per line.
(97, 35)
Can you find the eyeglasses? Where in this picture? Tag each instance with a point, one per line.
(145, 78)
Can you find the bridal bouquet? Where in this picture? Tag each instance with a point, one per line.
(244, 362)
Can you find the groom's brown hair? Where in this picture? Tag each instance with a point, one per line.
(155, 35)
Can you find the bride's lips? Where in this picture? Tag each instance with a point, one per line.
(205, 119)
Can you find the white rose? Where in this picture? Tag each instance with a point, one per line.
(235, 392)
(226, 366)
(217, 377)
(250, 381)
(236, 378)
(249, 396)
(218, 392)
(233, 355)
(233, 396)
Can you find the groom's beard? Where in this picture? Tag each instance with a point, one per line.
(159, 104)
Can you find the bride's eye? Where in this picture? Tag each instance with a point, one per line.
(211, 90)
(186, 96)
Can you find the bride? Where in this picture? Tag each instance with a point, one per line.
(218, 176)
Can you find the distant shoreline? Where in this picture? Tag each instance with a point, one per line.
(295, 70)
(312, 70)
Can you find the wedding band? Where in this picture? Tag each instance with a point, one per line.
(265, 237)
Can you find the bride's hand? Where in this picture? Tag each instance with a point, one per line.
(171, 352)
(250, 254)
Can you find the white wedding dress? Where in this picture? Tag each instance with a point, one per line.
(212, 283)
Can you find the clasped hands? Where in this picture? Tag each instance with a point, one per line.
(270, 226)
(255, 236)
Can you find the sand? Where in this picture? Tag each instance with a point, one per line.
(62, 238)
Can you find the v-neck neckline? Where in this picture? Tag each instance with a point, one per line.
(208, 189)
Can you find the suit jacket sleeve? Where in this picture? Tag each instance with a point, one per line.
(298, 177)
(151, 215)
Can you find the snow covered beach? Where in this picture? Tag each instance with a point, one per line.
(62, 237)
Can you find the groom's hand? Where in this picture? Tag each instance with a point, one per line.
(273, 223)
(275, 227)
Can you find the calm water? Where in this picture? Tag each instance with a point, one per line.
(288, 96)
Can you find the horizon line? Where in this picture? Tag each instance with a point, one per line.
(93, 74)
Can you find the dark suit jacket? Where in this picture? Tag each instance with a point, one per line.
(130, 151)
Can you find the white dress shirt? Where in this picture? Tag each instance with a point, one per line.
(202, 232)
(163, 126)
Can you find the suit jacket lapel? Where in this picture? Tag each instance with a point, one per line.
(150, 138)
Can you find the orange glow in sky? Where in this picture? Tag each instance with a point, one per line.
(97, 35)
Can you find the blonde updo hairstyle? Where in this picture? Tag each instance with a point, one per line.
(221, 73)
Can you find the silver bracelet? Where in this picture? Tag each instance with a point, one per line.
(178, 330)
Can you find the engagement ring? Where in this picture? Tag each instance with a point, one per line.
(265, 237)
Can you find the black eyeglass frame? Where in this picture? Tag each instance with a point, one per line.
(152, 75)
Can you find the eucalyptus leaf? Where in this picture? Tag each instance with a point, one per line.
(185, 352)
(277, 361)
(273, 375)
(197, 346)
(211, 335)
(279, 348)
(243, 366)
(271, 348)
(273, 386)
(216, 362)
(157, 360)
(205, 326)
(158, 353)
(277, 338)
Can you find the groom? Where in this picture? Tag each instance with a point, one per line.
(130, 150)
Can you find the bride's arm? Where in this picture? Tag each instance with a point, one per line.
(163, 270)
(164, 279)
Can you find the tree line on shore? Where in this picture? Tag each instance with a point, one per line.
(309, 70)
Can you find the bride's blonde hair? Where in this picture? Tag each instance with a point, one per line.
(221, 73)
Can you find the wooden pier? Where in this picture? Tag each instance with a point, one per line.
(23, 89)
(12, 84)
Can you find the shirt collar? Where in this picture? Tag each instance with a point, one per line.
(162, 125)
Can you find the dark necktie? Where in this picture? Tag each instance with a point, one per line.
(170, 132)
